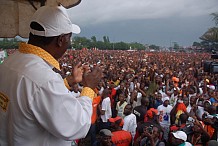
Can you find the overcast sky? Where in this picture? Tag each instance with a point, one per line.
(159, 22)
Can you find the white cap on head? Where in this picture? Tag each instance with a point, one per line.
(211, 87)
(180, 135)
(54, 20)
(165, 98)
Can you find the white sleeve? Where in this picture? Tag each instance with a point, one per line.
(104, 105)
(60, 113)
(126, 124)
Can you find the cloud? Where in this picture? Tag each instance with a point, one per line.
(101, 11)
(157, 22)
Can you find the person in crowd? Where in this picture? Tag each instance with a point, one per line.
(184, 124)
(158, 100)
(105, 109)
(129, 120)
(120, 137)
(199, 136)
(179, 138)
(121, 105)
(140, 111)
(92, 130)
(210, 122)
(191, 108)
(151, 136)
(38, 107)
(150, 119)
(164, 116)
(105, 138)
(177, 110)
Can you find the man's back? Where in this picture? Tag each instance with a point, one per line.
(36, 109)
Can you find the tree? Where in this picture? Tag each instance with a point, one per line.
(121, 46)
(137, 46)
(175, 45)
(93, 39)
(154, 47)
(197, 44)
(81, 42)
(211, 35)
(105, 39)
(215, 18)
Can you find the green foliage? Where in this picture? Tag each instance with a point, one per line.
(154, 47)
(211, 35)
(83, 42)
(197, 44)
(137, 46)
(215, 18)
(9, 43)
(175, 45)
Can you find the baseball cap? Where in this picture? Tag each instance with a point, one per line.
(105, 132)
(54, 20)
(165, 98)
(180, 135)
(208, 101)
(211, 87)
(117, 120)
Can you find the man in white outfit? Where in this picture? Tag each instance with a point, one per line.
(105, 109)
(129, 120)
(164, 116)
(36, 107)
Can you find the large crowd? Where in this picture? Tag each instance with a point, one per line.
(149, 98)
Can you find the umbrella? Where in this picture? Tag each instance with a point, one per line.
(15, 15)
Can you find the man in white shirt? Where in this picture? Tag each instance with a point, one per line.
(164, 116)
(130, 123)
(105, 109)
(37, 108)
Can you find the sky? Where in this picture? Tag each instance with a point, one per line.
(158, 22)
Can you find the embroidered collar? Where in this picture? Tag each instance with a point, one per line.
(30, 49)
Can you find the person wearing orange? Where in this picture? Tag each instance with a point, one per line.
(92, 131)
(120, 137)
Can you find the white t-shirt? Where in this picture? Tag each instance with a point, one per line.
(200, 111)
(106, 106)
(139, 97)
(128, 101)
(130, 124)
(164, 115)
(101, 90)
(189, 108)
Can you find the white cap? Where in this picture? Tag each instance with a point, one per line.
(180, 135)
(165, 98)
(211, 87)
(54, 20)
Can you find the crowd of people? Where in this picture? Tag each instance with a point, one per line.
(50, 96)
(159, 96)
(149, 98)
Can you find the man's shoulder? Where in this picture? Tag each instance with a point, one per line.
(121, 133)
